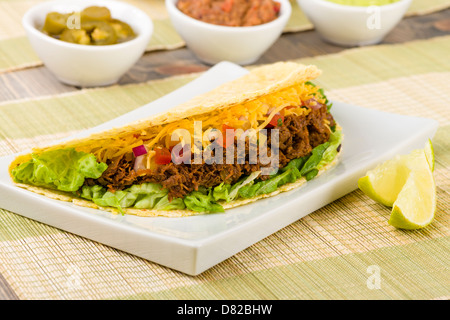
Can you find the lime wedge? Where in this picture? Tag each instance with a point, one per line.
(429, 152)
(416, 203)
(384, 183)
(405, 183)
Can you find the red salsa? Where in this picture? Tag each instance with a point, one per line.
(232, 13)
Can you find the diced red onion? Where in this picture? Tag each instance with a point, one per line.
(313, 104)
(139, 150)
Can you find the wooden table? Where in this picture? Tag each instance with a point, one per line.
(35, 82)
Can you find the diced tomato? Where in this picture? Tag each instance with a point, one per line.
(228, 134)
(227, 5)
(162, 156)
(276, 121)
(276, 7)
(225, 127)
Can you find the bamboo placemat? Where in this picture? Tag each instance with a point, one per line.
(326, 255)
(16, 52)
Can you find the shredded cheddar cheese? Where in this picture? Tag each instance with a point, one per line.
(255, 114)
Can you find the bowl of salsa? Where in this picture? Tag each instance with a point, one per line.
(238, 31)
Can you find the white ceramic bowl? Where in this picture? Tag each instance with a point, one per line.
(85, 65)
(352, 25)
(213, 43)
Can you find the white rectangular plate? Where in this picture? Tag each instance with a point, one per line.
(194, 244)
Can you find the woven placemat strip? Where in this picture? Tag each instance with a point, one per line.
(324, 255)
(17, 53)
(366, 65)
(414, 271)
(350, 68)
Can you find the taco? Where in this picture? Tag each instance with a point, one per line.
(267, 132)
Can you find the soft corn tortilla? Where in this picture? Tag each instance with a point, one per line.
(260, 81)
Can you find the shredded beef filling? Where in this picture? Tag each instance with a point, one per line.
(298, 135)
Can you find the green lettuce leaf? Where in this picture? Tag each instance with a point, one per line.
(314, 159)
(234, 192)
(143, 196)
(63, 169)
(307, 167)
(164, 204)
(201, 202)
(295, 164)
(311, 174)
(270, 185)
(322, 93)
(229, 192)
(148, 195)
(222, 192)
(118, 199)
(92, 192)
(332, 150)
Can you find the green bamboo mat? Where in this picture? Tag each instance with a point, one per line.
(16, 52)
(325, 255)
